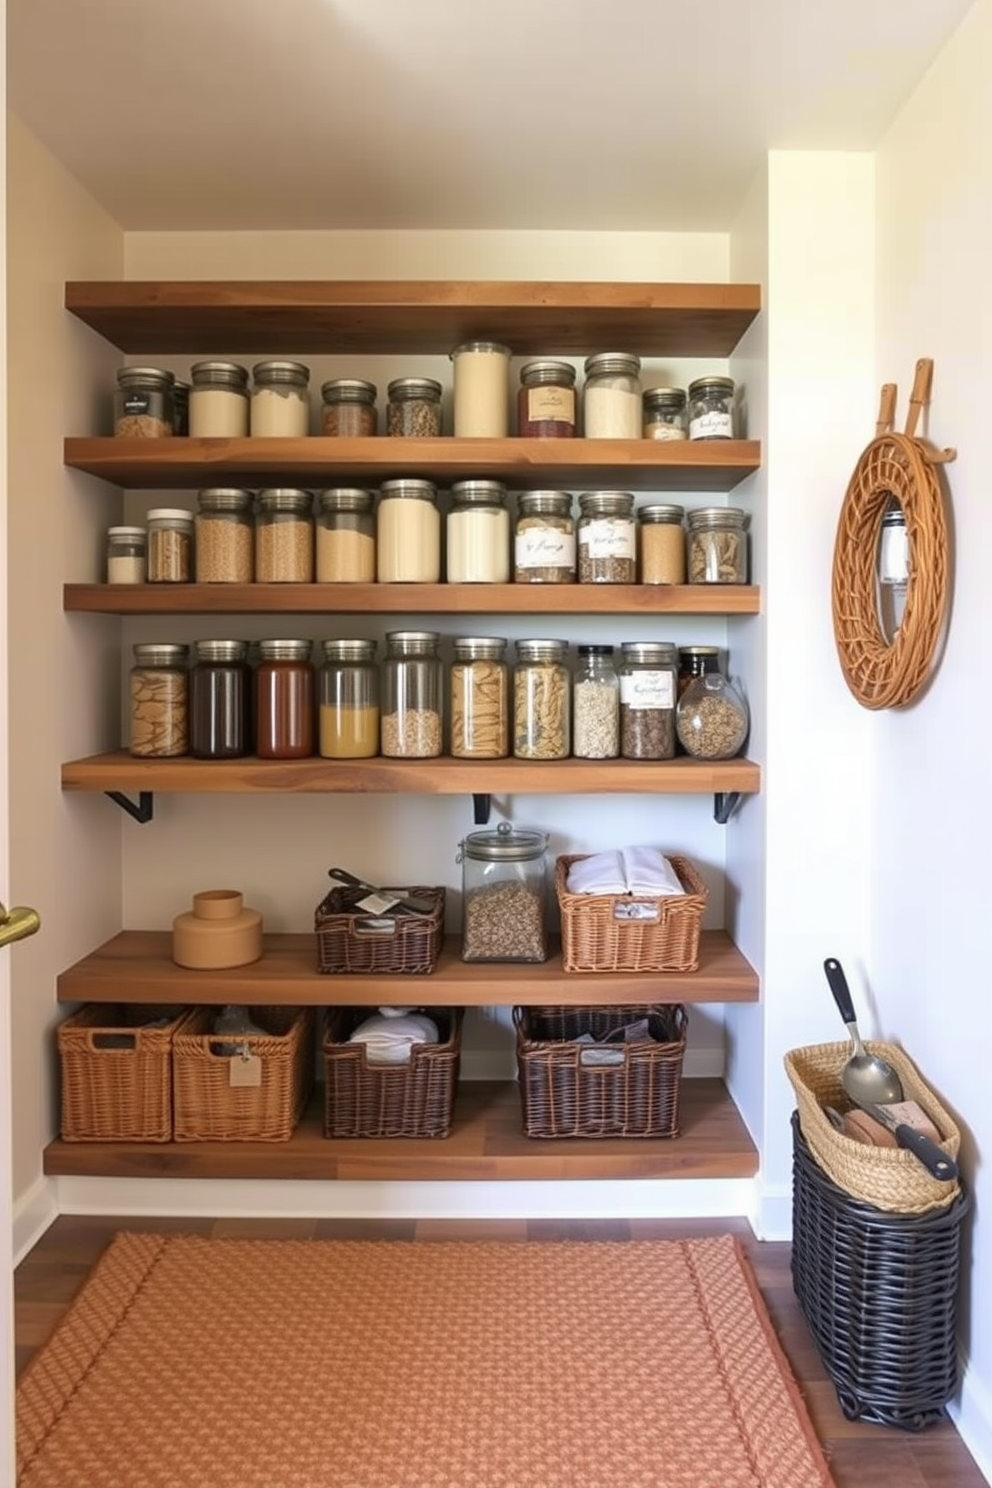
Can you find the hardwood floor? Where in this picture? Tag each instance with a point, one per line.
(861, 1456)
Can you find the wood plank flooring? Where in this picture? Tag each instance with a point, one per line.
(861, 1456)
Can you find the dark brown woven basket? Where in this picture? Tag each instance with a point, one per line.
(362, 943)
(563, 1096)
(879, 1292)
(597, 933)
(116, 1076)
(210, 1108)
(390, 1100)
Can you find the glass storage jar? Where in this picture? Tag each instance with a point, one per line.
(345, 536)
(647, 700)
(596, 705)
(504, 892)
(408, 533)
(712, 718)
(607, 538)
(414, 408)
(349, 408)
(220, 700)
(285, 716)
(662, 540)
(180, 408)
(284, 537)
(225, 536)
(218, 400)
(611, 397)
(159, 701)
(546, 401)
(280, 400)
(696, 661)
(412, 680)
(541, 701)
(144, 406)
(544, 538)
(711, 408)
(664, 413)
(480, 699)
(481, 390)
(478, 534)
(170, 545)
(127, 549)
(349, 700)
(717, 545)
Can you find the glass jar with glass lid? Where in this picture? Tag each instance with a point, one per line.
(504, 893)
(408, 533)
(345, 536)
(544, 538)
(225, 536)
(478, 533)
(711, 408)
(611, 397)
(218, 400)
(664, 413)
(280, 400)
(414, 408)
(412, 679)
(220, 700)
(159, 701)
(662, 543)
(647, 700)
(349, 700)
(284, 537)
(349, 408)
(717, 545)
(285, 715)
(542, 701)
(546, 401)
(480, 699)
(607, 538)
(144, 405)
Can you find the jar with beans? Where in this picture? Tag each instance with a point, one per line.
(349, 408)
(280, 400)
(412, 680)
(712, 718)
(717, 545)
(284, 538)
(159, 701)
(285, 715)
(662, 541)
(345, 536)
(503, 895)
(711, 408)
(647, 700)
(596, 705)
(170, 545)
(218, 400)
(220, 700)
(225, 536)
(349, 700)
(541, 701)
(544, 538)
(480, 699)
(664, 413)
(144, 405)
(546, 401)
(414, 409)
(607, 538)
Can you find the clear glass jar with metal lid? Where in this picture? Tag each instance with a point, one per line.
(696, 661)
(596, 705)
(607, 538)
(546, 401)
(504, 895)
(414, 408)
(127, 549)
(408, 533)
(349, 408)
(664, 413)
(542, 702)
(662, 544)
(611, 397)
(180, 408)
(544, 538)
(280, 400)
(478, 533)
(648, 672)
(144, 405)
(218, 400)
(170, 545)
(225, 536)
(711, 408)
(345, 536)
(285, 715)
(412, 682)
(284, 538)
(480, 699)
(220, 700)
(159, 701)
(349, 700)
(481, 390)
(717, 545)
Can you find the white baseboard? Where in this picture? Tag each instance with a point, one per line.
(972, 1417)
(772, 1219)
(33, 1212)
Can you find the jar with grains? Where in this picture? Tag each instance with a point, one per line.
(159, 701)
(662, 539)
(607, 538)
(596, 705)
(408, 533)
(220, 700)
(481, 390)
(345, 536)
(170, 545)
(180, 408)
(127, 549)
(218, 400)
(544, 538)
(480, 699)
(541, 701)
(647, 700)
(225, 536)
(144, 405)
(696, 661)
(349, 700)
(546, 401)
(717, 545)
(349, 408)
(504, 893)
(414, 408)
(711, 408)
(285, 716)
(611, 397)
(478, 533)
(412, 680)
(280, 400)
(664, 413)
(284, 537)
(712, 718)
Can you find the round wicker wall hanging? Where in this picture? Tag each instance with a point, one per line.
(883, 672)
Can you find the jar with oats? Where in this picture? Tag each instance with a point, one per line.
(159, 701)
(225, 536)
(414, 408)
(717, 545)
(596, 705)
(544, 538)
(607, 538)
(662, 542)
(412, 681)
(349, 700)
(349, 408)
(284, 537)
(170, 545)
(712, 718)
(345, 536)
(647, 700)
(280, 400)
(504, 892)
(480, 699)
(541, 701)
(285, 716)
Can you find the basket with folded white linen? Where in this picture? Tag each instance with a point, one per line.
(629, 909)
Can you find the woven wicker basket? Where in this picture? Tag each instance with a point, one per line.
(598, 934)
(887, 1177)
(209, 1107)
(390, 1100)
(116, 1076)
(408, 945)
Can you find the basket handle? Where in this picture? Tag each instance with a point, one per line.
(119, 1042)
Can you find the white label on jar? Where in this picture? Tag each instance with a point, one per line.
(612, 413)
(893, 556)
(609, 537)
(544, 547)
(551, 403)
(712, 426)
(648, 690)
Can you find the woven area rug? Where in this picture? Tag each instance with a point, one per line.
(195, 1363)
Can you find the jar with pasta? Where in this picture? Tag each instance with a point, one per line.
(541, 701)
(647, 700)
(170, 545)
(717, 545)
(159, 701)
(480, 699)
(607, 538)
(284, 537)
(544, 538)
(345, 536)
(412, 679)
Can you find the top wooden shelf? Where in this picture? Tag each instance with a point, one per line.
(415, 316)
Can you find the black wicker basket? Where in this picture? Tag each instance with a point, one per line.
(879, 1292)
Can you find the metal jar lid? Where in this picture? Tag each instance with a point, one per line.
(285, 499)
(407, 389)
(652, 514)
(545, 503)
(545, 373)
(613, 364)
(541, 650)
(649, 653)
(145, 377)
(669, 398)
(219, 374)
(345, 499)
(606, 504)
(506, 845)
(478, 493)
(412, 642)
(494, 347)
(692, 651)
(350, 650)
(286, 374)
(717, 516)
(421, 489)
(221, 650)
(161, 653)
(479, 648)
(348, 390)
(294, 650)
(224, 499)
(723, 385)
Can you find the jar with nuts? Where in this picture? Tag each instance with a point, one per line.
(717, 545)
(712, 718)
(503, 895)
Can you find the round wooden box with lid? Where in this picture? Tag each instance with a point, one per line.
(218, 932)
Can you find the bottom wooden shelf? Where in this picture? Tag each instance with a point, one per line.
(486, 1142)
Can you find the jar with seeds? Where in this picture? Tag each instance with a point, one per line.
(143, 404)
(412, 681)
(159, 701)
(607, 538)
(480, 699)
(225, 536)
(284, 539)
(504, 891)
(541, 701)
(414, 408)
(712, 718)
(349, 408)
(544, 538)
(717, 545)
(596, 705)
(648, 671)
(170, 545)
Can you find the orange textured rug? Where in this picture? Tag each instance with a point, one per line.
(195, 1363)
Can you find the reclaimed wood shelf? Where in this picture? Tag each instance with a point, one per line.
(486, 1142)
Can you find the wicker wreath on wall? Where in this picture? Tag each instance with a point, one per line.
(884, 673)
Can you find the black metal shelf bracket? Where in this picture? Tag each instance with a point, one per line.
(481, 807)
(142, 810)
(724, 805)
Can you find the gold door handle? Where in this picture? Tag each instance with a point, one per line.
(17, 923)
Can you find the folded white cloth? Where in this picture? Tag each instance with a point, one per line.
(629, 870)
(600, 873)
(390, 1040)
(648, 871)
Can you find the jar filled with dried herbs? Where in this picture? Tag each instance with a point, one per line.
(717, 545)
(541, 701)
(480, 699)
(414, 409)
(647, 700)
(159, 701)
(544, 538)
(607, 538)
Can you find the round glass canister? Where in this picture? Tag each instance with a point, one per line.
(218, 400)
(225, 536)
(414, 408)
(717, 545)
(664, 413)
(611, 397)
(412, 680)
(478, 534)
(159, 701)
(647, 700)
(546, 401)
(144, 406)
(127, 549)
(607, 538)
(349, 408)
(345, 536)
(284, 700)
(504, 891)
(284, 538)
(280, 400)
(170, 545)
(696, 661)
(711, 408)
(408, 533)
(544, 538)
(480, 699)
(541, 701)
(481, 390)
(712, 718)
(596, 705)
(349, 700)
(662, 542)
(220, 700)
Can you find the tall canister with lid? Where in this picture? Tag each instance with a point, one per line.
(159, 701)
(481, 390)
(284, 537)
(408, 533)
(349, 700)
(480, 699)
(478, 532)
(412, 681)
(542, 701)
(285, 716)
(220, 700)
(648, 673)
(225, 536)
(504, 893)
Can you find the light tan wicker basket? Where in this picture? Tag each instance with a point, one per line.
(116, 1074)
(209, 1106)
(599, 934)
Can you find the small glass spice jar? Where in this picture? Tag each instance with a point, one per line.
(696, 661)
(220, 700)
(717, 545)
(170, 545)
(611, 397)
(541, 701)
(414, 408)
(647, 700)
(284, 538)
(481, 390)
(349, 700)
(664, 413)
(408, 533)
(711, 408)
(412, 680)
(218, 400)
(143, 403)
(280, 400)
(349, 408)
(159, 701)
(285, 715)
(127, 549)
(345, 536)
(596, 705)
(607, 538)
(478, 534)
(544, 538)
(504, 893)
(225, 536)
(546, 401)
(480, 699)
(662, 543)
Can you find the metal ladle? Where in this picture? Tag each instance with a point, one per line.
(866, 1078)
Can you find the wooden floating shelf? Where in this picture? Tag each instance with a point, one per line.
(486, 1142)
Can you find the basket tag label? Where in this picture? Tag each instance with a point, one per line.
(378, 904)
(625, 911)
(245, 1070)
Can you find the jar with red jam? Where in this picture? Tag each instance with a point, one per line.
(546, 401)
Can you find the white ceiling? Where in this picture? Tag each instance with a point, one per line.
(471, 114)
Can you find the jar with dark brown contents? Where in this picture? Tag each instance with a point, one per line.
(414, 409)
(647, 700)
(159, 697)
(546, 401)
(607, 538)
(220, 700)
(349, 408)
(544, 538)
(285, 713)
(696, 661)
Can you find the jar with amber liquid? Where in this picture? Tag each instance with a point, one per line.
(284, 700)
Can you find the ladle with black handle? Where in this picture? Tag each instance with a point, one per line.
(865, 1077)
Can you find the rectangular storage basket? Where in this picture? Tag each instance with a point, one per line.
(562, 1094)
(631, 932)
(117, 1075)
(381, 1100)
(362, 943)
(210, 1108)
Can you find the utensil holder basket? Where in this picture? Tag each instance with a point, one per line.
(364, 944)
